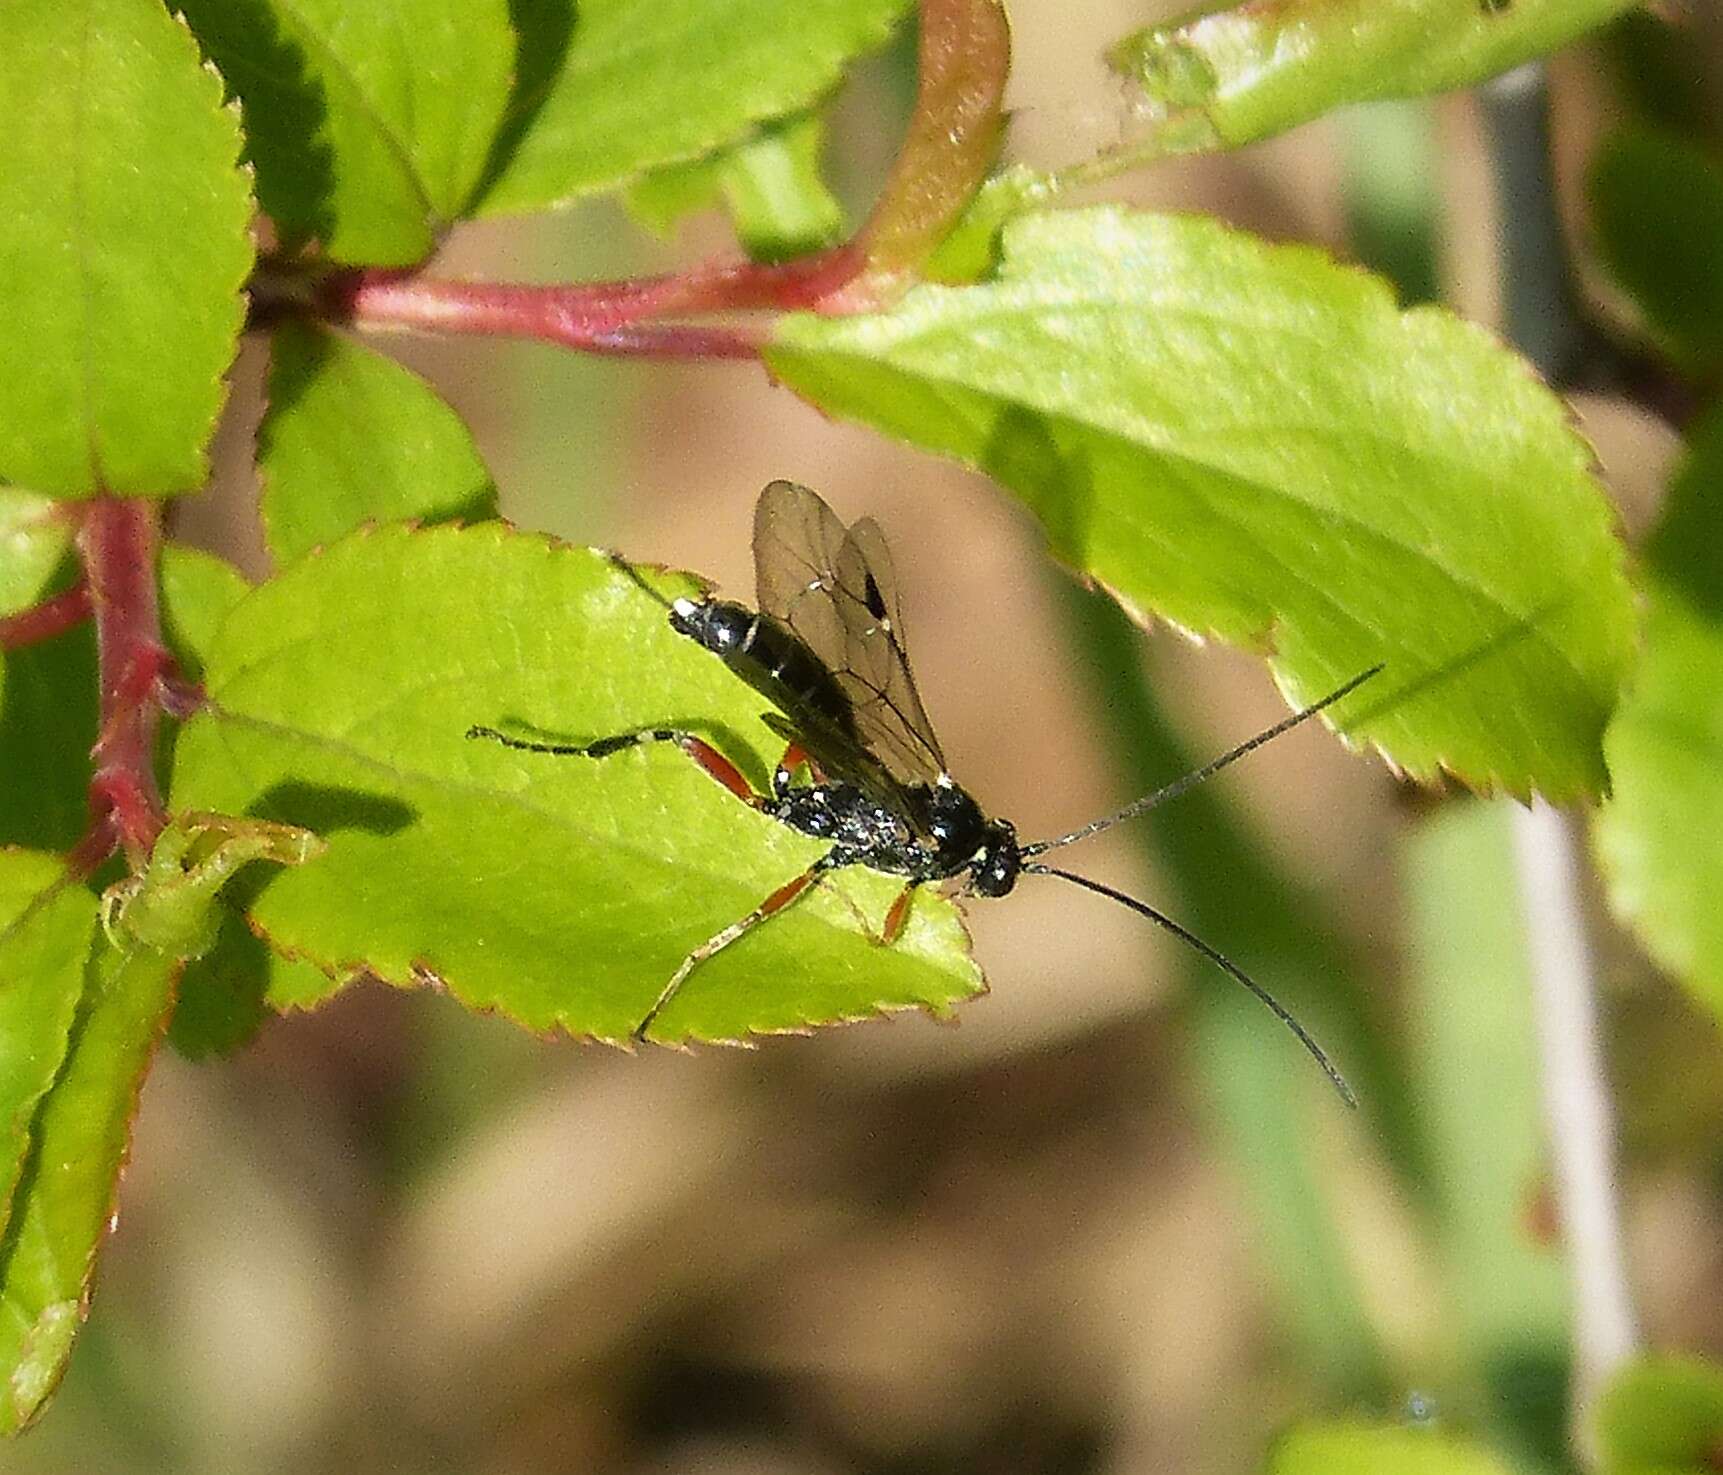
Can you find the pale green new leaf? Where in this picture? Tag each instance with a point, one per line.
(1219, 80)
(1662, 1416)
(1255, 443)
(560, 891)
(65, 1198)
(1377, 1449)
(45, 926)
(369, 125)
(771, 185)
(638, 84)
(125, 215)
(351, 437)
(1660, 839)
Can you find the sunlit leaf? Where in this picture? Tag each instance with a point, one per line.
(35, 539)
(633, 85)
(126, 214)
(369, 125)
(64, 1202)
(45, 927)
(351, 436)
(1257, 444)
(560, 891)
(1222, 79)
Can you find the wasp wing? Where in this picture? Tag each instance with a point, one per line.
(835, 587)
(876, 671)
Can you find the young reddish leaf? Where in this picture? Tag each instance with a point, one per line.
(352, 437)
(1255, 443)
(560, 891)
(124, 245)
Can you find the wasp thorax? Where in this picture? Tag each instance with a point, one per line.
(720, 625)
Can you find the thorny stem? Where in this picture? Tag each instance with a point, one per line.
(118, 541)
(1576, 1098)
(44, 621)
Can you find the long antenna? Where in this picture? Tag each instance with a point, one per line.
(1219, 959)
(1207, 771)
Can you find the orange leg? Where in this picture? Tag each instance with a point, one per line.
(898, 917)
(770, 907)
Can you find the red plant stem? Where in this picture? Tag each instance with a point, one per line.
(951, 144)
(44, 621)
(118, 541)
(602, 317)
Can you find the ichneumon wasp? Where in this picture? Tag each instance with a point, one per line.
(826, 649)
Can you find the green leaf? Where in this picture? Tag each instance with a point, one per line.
(64, 1202)
(369, 125)
(45, 927)
(1660, 838)
(1662, 1416)
(126, 217)
(47, 690)
(559, 891)
(640, 84)
(197, 591)
(1377, 1449)
(352, 437)
(1657, 213)
(35, 540)
(222, 993)
(1255, 444)
(1223, 79)
(770, 184)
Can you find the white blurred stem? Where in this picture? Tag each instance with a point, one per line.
(1543, 325)
(1576, 1101)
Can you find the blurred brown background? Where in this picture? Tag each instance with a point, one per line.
(391, 1236)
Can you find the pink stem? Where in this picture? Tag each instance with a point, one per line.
(602, 317)
(44, 621)
(118, 541)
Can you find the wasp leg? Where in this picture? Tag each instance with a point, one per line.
(702, 752)
(897, 918)
(795, 755)
(897, 915)
(770, 907)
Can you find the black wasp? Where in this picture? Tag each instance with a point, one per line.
(862, 768)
